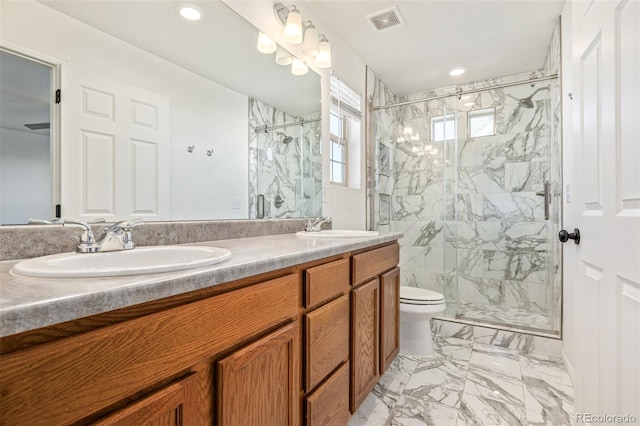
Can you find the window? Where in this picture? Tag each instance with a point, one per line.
(344, 127)
(482, 123)
(443, 128)
(338, 151)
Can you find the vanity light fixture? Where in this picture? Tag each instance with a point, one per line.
(298, 67)
(283, 57)
(190, 12)
(323, 60)
(454, 72)
(292, 20)
(314, 45)
(310, 44)
(265, 44)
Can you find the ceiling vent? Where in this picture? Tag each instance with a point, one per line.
(385, 19)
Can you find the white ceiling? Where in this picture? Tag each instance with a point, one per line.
(221, 47)
(492, 38)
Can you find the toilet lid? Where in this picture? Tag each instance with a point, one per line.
(420, 296)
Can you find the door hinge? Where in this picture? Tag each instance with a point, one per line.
(58, 211)
(58, 96)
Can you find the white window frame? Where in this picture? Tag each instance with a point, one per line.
(481, 112)
(443, 119)
(345, 105)
(344, 142)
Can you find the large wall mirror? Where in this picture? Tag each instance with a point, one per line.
(160, 118)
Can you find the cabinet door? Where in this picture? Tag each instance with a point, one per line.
(364, 341)
(389, 318)
(259, 384)
(169, 406)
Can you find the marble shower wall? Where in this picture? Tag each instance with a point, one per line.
(383, 135)
(288, 172)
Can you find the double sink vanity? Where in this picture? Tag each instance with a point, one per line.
(285, 329)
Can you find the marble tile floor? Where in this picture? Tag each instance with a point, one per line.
(466, 383)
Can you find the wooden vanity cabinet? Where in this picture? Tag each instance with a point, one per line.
(126, 366)
(301, 345)
(374, 318)
(327, 325)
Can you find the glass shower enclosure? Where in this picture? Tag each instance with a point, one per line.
(285, 163)
(472, 179)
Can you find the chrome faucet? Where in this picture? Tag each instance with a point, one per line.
(315, 226)
(116, 237)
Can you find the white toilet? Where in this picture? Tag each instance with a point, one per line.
(417, 307)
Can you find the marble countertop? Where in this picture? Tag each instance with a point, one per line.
(29, 303)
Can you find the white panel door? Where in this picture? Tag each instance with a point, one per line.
(606, 140)
(115, 150)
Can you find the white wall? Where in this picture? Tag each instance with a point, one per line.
(25, 176)
(347, 206)
(203, 113)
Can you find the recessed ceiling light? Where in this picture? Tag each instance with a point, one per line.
(190, 12)
(454, 72)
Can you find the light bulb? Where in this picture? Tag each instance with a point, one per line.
(265, 44)
(190, 12)
(293, 28)
(310, 43)
(283, 57)
(298, 67)
(323, 60)
(454, 72)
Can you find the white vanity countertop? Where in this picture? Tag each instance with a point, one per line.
(29, 303)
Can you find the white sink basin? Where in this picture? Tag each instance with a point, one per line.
(338, 233)
(143, 260)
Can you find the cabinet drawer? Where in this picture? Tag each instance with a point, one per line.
(327, 340)
(329, 404)
(326, 281)
(372, 263)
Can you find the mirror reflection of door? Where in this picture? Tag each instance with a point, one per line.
(25, 139)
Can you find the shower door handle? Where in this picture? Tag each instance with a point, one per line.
(547, 198)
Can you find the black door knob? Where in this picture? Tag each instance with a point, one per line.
(564, 236)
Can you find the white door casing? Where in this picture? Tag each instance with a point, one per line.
(115, 150)
(606, 164)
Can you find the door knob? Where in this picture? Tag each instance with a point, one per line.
(564, 236)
